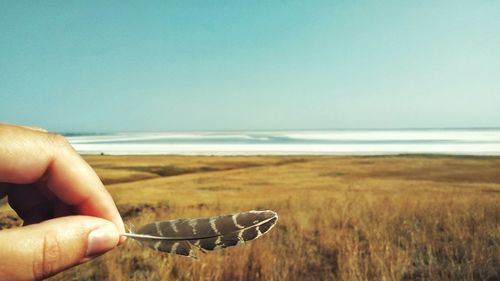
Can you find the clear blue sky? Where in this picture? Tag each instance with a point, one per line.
(229, 65)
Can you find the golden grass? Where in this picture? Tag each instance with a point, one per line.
(341, 218)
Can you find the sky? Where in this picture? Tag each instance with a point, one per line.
(100, 66)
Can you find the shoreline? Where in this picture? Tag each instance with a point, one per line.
(357, 142)
(222, 154)
(387, 155)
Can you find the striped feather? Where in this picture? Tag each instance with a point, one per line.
(206, 234)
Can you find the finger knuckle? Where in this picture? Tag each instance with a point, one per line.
(58, 139)
(59, 143)
(47, 260)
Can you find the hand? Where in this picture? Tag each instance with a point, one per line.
(69, 217)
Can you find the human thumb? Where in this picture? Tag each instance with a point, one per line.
(40, 250)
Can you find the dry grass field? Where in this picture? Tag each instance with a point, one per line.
(341, 218)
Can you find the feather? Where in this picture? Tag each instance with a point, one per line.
(207, 234)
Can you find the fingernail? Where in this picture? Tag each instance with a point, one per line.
(101, 240)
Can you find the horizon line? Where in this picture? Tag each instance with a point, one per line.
(70, 133)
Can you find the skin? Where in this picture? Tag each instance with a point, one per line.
(68, 215)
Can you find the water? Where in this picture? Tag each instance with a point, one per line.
(328, 142)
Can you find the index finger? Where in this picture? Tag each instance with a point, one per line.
(28, 156)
